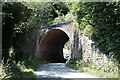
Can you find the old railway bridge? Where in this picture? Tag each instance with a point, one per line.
(48, 43)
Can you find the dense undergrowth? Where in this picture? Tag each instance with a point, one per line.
(21, 69)
(110, 70)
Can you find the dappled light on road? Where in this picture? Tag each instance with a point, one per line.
(59, 70)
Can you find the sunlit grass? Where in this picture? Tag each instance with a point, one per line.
(100, 73)
(88, 68)
(27, 72)
(22, 69)
(30, 69)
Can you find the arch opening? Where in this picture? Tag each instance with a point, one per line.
(52, 44)
(66, 50)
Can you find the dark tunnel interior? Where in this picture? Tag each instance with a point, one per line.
(52, 44)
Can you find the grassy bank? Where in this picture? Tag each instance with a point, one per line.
(30, 67)
(21, 69)
(101, 71)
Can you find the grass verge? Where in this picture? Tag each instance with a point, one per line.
(30, 66)
(101, 71)
(21, 69)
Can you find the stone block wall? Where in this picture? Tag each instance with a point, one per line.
(75, 44)
(92, 53)
(83, 48)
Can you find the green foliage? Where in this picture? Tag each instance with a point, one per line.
(44, 13)
(60, 8)
(64, 18)
(71, 64)
(10, 70)
(22, 69)
(19, 19)
(67, 45)
(107, 70)
(13, 14)
(100, 22)
(88, 31)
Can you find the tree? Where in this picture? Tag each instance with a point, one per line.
(104, 19)
(13, 14)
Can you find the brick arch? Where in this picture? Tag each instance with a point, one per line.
(52, 44)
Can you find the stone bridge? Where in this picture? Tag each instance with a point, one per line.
(80, 47)
(50, 46)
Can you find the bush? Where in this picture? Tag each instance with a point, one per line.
(22, 69)
(10, 70)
